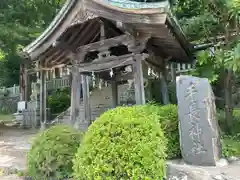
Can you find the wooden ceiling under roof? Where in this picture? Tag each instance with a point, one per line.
(74, 37)
(78, 24)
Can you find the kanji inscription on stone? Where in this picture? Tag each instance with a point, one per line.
(198, 128)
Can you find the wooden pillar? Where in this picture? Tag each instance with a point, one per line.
(173, 72)
(86, 101)
(27, 84)
(73, 113)
(164, 86)
(136, 46)
(21, 83)
(79, 90)
(114, 94)
(54, 73)
(43, 99)
(75, 88)
(75, 96)
(138, 80)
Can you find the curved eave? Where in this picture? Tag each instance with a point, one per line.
(128, 15)
(180, 36)
(142, 17)
(63, 20)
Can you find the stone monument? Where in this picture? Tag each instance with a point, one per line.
(198, 127)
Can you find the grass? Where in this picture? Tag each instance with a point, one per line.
(230, 143)
(6, 117)
(231, 146)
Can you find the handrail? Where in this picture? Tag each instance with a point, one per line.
(56, 119)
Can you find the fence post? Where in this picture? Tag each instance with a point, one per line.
(14, 89)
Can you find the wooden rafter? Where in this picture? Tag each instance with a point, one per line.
(123, 39)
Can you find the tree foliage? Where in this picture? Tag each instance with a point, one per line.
(21, 21)
(216, 22)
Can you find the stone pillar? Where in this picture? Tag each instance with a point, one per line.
(198, 127)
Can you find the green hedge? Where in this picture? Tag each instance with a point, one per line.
(51, 154)
(123, 143)
(168, 118)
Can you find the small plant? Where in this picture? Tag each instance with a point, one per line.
(123, 143)
(59, 101)
(231, 146)
(236, 121)
(230, 143)
(51, 154)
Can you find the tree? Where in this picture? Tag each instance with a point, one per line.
(206, 22)
(20, 23)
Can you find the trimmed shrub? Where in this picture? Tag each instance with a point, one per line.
(168, 119)
(123, 143)
(51, 154)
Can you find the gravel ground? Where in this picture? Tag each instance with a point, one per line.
(11, 177)
(14, 144)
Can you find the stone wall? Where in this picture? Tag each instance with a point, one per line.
(9, 104)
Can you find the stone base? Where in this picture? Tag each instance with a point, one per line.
(178, 170)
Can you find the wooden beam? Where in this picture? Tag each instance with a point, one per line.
(106, 59)
(119, 61)
(125, 77)
(107, 43)
(110, 62)
(138, 80)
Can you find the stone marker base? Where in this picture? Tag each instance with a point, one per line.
(178, 170)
